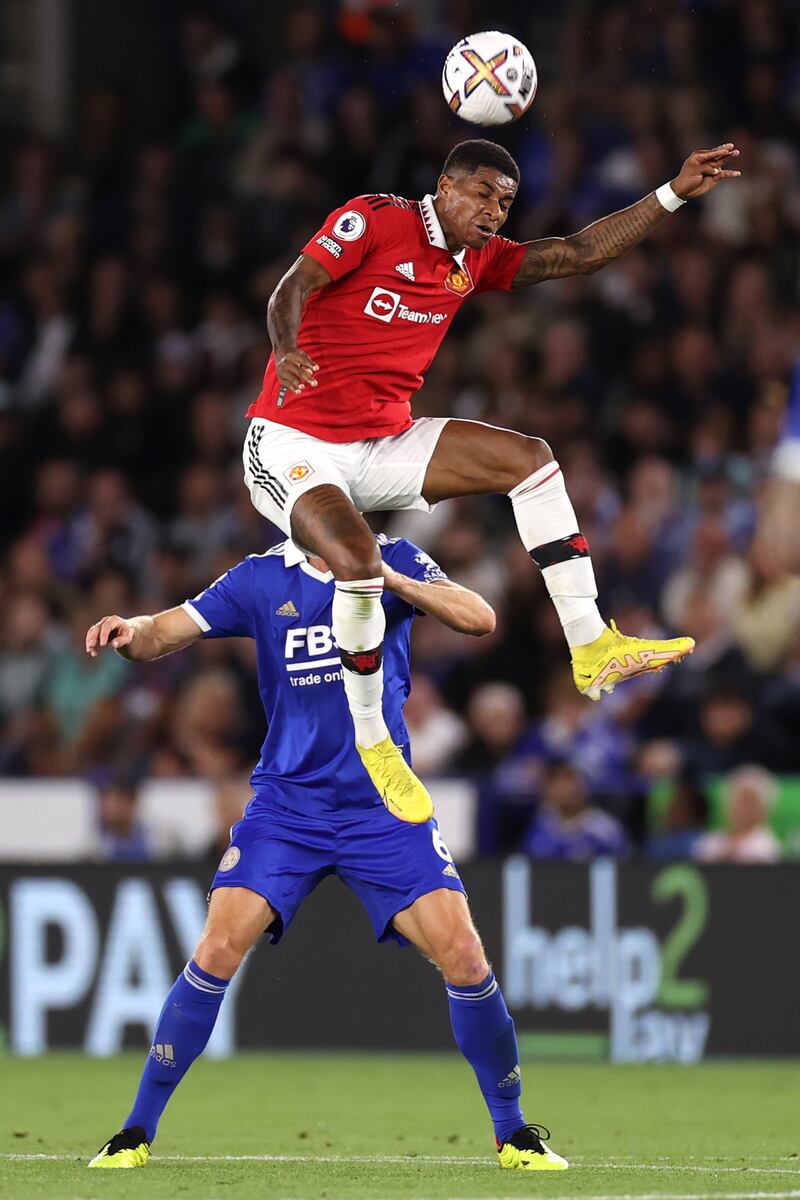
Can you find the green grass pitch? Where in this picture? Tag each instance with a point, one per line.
(337, 1126)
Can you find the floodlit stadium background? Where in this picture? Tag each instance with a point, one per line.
(161, 166)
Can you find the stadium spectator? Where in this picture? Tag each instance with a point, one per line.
(436, 733)
(565, 826)
(684, 824)
(750, 793)
(122, 836)
(497, 722)
(79, 692)
(712, 568)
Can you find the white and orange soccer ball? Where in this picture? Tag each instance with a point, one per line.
(489, 78)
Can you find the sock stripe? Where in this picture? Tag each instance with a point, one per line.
(194, 982)
(521, 490)
(202, 985)
(489, 990)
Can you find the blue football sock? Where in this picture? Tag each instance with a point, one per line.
(485, 1035)
(183, 1029)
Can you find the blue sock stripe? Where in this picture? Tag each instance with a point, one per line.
(475, 991)
(490, 991)
(201, 979)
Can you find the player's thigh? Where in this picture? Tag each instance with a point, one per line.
(326, 522)
(237, 918)
(440, 925)
(472, 459)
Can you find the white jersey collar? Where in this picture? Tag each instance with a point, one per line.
(293, 556)
(433, 228)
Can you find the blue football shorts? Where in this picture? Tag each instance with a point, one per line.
(282, 855)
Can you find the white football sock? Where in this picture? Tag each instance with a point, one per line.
(544, 514)
(358, 625)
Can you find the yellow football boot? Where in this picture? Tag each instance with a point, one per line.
(128, 1148)
(525, 1150)
(599, 666)
(395, 782)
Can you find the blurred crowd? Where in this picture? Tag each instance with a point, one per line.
(135, 264)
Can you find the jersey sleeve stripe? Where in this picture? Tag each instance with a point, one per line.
(384, 199)
(196, 616)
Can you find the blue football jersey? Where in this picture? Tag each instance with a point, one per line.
(309, 762)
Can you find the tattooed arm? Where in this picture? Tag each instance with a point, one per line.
(600, 243)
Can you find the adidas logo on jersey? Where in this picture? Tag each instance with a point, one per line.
(407, 269)
(450, 870)
(287, 610)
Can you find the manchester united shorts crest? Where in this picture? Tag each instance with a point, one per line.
(281, 464)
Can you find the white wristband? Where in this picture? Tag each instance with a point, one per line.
(667, 198)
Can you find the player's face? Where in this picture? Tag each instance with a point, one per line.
(472, 208)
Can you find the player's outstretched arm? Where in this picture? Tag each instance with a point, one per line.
(142, 639)
(294, 367)
(453, 605)
(603, 241)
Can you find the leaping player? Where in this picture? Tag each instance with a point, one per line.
(354, 325)
(315, 813)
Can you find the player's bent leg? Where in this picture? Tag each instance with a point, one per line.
(471, 458)
(237, 918)
(325, 521)
(441, 926)
(474, 459)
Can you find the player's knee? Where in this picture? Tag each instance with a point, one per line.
(465, 960)
(355, 558)
(532, 454)
(220, 952)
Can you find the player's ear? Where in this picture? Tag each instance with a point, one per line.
(443, 184)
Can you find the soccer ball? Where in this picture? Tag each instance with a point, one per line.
(489, 78)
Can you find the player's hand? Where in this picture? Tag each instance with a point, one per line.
(703, 170)
(295, 369)
(114, 631)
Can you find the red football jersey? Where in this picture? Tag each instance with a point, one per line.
(375, 328)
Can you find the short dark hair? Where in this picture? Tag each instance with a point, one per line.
(478, 152)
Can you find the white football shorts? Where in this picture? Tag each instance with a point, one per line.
(281, 464)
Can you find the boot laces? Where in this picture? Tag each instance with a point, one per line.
(127, 1139)
(535, 1133)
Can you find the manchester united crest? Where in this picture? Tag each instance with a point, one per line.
(458, 280)
(299, 472)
